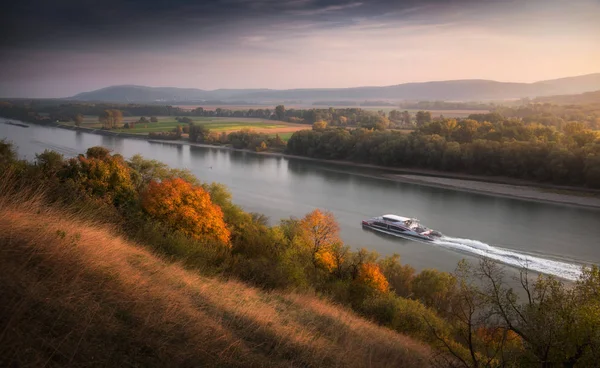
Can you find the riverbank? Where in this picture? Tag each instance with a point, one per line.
(492, 186)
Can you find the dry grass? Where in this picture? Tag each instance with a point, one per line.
(75, 294)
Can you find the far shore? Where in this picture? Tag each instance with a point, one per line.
(486, 185)
(493, 186)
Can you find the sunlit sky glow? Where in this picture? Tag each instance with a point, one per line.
(57, 50)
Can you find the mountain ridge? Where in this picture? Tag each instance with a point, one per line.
(462, 89)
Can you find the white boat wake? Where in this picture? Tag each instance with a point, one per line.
(564, 270)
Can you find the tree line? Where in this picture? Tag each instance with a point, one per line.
(505, 147)
(471, 317)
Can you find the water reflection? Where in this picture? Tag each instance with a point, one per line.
(198, 153)
(79, 139)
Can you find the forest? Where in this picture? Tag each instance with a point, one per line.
(558, 150)
(471, 317)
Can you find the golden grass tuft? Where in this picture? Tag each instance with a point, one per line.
(75, 294)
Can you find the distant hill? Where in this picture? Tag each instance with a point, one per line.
(454, 90)
(132, 93)
(578, 99)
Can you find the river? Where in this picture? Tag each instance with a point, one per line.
(550, 238)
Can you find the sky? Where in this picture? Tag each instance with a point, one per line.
(63, 47)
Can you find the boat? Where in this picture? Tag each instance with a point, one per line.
(401, 226)
(16, 124)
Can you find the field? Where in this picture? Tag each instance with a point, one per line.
(168, 123)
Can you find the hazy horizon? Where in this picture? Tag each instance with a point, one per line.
(59, 50)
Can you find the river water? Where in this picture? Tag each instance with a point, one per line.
(549, 238)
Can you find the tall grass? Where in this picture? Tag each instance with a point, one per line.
(76, 294)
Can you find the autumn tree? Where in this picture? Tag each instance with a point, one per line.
(319, 125)
(320, 231)
(106, 119)
(78, 119)
(186, 208)
(101, 174)
(117, 116)
(370, 274)
(111, 118)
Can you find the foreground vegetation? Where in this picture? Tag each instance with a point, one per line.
(75, 294)
(79, 288)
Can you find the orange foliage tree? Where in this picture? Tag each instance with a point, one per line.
(326, 260)
(370, 274)
(187, 208)
(320, 231)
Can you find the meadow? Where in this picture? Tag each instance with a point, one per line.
(216, 124)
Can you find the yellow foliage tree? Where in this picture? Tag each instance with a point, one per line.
(370, 274)
(102, 175)
(319, 125)
(320, 231)
(186, 208)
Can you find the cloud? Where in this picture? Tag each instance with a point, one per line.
(327, 9)
(63, 47)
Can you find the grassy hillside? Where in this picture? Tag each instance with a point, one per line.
(76, 294)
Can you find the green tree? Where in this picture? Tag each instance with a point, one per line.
(406, 119)
(435, 289)
(400, 276)
(198, 133)
(423, 117)
(280, 112)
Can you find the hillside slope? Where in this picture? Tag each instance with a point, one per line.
(577, 99)
(470, 89)
(73, 293)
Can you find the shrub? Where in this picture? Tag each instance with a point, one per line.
(404, 315)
